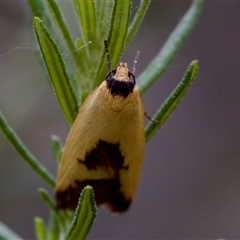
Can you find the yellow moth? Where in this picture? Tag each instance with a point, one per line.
(105, 146)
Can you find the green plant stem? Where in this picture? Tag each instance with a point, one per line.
(24, 152)
(57, 71)
(172, 101)
(62, 26)
(40, 228)
(54, 228)
(118, 32)
(137, 20)
(39, 10)
(51, 204)
(7, 234)
(87, 17)
(170, 48)
(84, 216)
(56, 148)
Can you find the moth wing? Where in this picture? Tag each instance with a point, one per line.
(93, 121)
(132, 144)
(115, 121)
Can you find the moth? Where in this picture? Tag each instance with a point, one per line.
(105, 146)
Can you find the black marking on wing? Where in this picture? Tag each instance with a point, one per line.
(107, 191)
(105, 155)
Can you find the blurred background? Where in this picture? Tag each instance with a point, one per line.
(190, 182)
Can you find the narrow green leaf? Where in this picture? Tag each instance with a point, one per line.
(83, 66)
(24, 152)
(118, 29)
(56, 148)
(103, 12)
(170, 48)
(172, 101)
(56, 70)
(62, 26)
(89, 32)
(54, 228)
(51, 204)
(40, 229)
(47, 199)
(7, 234)
(117, 33)
(137, 20)
(84, 216)
(39, 10)
(86, 13)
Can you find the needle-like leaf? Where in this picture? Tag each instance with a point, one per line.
(57, 72)
(84, 216)
(172, 101)
(24, 152)
(159, 64)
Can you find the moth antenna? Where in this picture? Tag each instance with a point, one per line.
(83, 46)
(135, 62)
(108, 56)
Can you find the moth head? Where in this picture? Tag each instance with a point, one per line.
(122, 74)
(120, 81)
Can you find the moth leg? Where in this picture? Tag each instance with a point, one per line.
(151, 119)
(81, 161)
(76, 109)
(125, 167)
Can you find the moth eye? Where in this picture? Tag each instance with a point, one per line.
(111, 74)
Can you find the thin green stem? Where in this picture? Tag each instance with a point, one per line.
(39, 10)
(84, 216)
(137, 20)
(6, 233)
(24, 152)
(172, 101)
(40, 229)
(170, 48)
(62, 26)
(56, 148)
(54, 228)
(51, 204)
(57, 71)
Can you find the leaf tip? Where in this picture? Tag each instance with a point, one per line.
(36, 20)
(194, 66)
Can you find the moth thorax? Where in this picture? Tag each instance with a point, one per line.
(122, 72)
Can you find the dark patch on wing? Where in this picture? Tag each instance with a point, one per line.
(105, 155)
(120, 88)
(107, 191)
